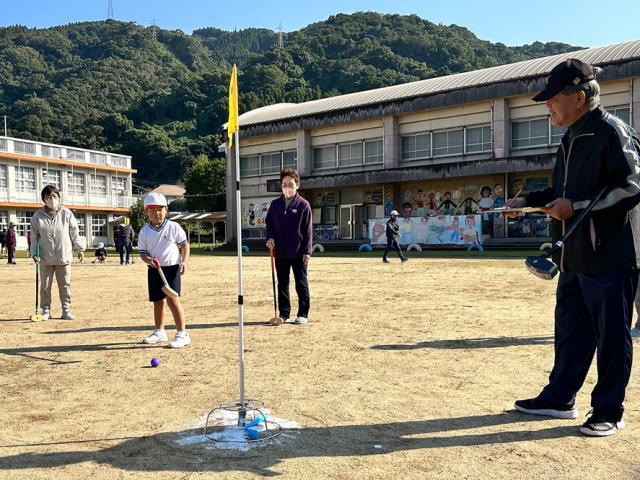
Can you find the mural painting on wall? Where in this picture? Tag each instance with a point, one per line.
(324, 199)
(254, 213)
(388, 200)
(529, 226)
(373, 197)
(434, 230)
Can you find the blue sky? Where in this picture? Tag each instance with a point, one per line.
(587, 23)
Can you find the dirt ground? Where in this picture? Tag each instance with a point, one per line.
(404, 371)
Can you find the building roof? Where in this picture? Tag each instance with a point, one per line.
(608, 54)
(188, 217)
(170, 190)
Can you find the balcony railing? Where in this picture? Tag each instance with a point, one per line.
(70, 200)
(80, 155)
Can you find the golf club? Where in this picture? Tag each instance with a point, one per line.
(168, 291)
(276, 320)
(540, 265)
(37, 315)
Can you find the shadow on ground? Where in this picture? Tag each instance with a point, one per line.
(496, 342)
(160, 452)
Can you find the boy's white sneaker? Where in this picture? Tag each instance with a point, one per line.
(67, 315)
(180, 340)
(302, 321)
(156, 337)
(635, 332)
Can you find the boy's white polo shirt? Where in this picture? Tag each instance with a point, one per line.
(162, 242)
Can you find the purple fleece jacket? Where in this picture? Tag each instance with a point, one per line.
(290, 227)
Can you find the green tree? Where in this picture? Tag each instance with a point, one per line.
(205, 180)
(137, 216)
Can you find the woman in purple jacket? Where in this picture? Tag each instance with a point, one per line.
(289, 233)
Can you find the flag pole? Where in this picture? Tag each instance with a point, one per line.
(242, 412)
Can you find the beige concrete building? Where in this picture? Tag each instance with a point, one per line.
(95, 185)
(440, 151)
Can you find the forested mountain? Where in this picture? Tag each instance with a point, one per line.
(160, 95)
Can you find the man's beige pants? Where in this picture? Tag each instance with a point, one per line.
(63, 278)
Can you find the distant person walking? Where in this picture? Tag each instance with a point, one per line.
(10, 243)
(55, 229)
(125, 239)
(393, 232)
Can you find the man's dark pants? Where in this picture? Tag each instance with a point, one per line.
(125, 249)
(593, 314)
(283, 267)
(392, 243)
(10, 254)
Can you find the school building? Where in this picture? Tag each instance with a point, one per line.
(95, 185)
(440, 151)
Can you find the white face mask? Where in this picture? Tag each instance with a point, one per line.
(52, 203)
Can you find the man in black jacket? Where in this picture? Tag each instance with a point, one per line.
(393, 231)
(599, 261)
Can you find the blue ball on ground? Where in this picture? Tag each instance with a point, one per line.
(155, 361)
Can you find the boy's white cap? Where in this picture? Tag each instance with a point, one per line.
(395, 212)
(101, 245)
(155, 198)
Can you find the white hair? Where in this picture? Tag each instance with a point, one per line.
(591, 90)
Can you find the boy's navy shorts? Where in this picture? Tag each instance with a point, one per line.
(155, 282)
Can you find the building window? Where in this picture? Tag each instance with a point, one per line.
(25, 179)
(289, 160)
(76, 183)
(556, 134)
(98, 184)
(24, 223)
(478, 139)
(530, 133)
(4, 220)
(271, 163)
(81, 218)
(249, 165)
(350, 154)
(99, 158)
(99, 224)
(119, 186)
(77, 155)
(324, 157)
(623, 113)
(3, 176)
(328, 215)
(53, 152)
(3, 144)
(416, 147)
(118, 161)
(51, 177)
(448, 142)
(24, 147)
(373, 152)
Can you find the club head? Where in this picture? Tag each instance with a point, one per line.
(541, 267)
(36, 317)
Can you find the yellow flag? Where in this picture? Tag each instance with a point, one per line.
(232, 125)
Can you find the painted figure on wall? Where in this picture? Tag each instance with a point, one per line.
(469, 233)
(431, 207)
(469, 205)
(447, 207)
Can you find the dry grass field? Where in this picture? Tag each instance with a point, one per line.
(404, 371)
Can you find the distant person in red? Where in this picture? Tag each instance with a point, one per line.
(10, 243)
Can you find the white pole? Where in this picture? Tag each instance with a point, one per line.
(5, 125)
(241, 411)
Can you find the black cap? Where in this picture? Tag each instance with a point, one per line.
(570, 73)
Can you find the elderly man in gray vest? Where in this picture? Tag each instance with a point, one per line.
(55, 230)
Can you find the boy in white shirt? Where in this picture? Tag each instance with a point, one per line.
(163, 244)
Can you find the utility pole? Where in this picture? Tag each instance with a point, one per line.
(280, 36)
(5, 125)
